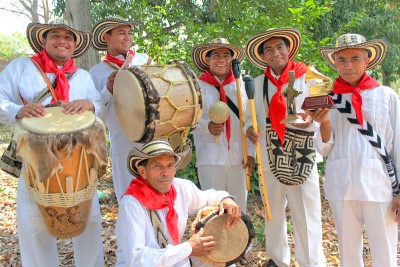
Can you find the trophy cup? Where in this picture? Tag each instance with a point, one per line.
(319, 97)
(290, 95)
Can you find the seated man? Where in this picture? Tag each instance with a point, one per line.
(154, 210)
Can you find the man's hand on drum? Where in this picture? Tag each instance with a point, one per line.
(77, 106)
(110, 81)
(201, 245)
(31, 110)
(232, 209)
(215, 128)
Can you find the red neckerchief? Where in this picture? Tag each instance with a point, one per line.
(47, 64)
(209, 78)
(340, 86)
(154, 200)
(116, 60)
(277, 108)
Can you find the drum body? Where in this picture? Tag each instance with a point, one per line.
(232, 242)
(63, 156)
(156, 101)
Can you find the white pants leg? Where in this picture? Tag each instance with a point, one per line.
(88, 246)
(230, 178)
(276, 230)
(350, 217)
(120, 174)
(382, 233)
(37, 247)
(305, 207)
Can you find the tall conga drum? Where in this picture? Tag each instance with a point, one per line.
(156, 101)
(63, 155)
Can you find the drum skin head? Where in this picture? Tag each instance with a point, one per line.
(56, 122)
(129, 105)
(231, 241)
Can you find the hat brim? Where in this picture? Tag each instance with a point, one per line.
(252, 47)
(199, 53)
(377, 49)
(98, 40)
(35, 32)
(136, 156)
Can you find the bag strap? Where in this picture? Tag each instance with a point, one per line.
(46, 80)
(231, 105)
(112, 65)
(157, 228)
(345, 108)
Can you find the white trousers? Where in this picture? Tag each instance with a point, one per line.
(304, 202)
(120, 174)
(382, 231)
(230, 178)
(38, 248)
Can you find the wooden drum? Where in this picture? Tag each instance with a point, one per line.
(156, 101)
(63, 157)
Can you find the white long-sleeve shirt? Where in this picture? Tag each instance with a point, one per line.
(135, 234)
(120, 145)
(207, 151)
(21, 77)
(354, 170)
(262, 112)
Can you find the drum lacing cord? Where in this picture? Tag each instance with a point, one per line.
(62, 199)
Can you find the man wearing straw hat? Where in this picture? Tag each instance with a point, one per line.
(56, 44)
(157, 202)
(291, 173)
(114, 35)
(219, 164)
(361, 140)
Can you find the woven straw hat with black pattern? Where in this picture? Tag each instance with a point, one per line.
(35, 32)
(106, 25)
(253, 45)
(150, 150)
(199, 52)
(377, 49)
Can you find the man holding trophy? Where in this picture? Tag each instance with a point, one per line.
(286, 139)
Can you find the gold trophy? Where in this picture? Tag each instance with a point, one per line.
(290, 95)
(319, 97)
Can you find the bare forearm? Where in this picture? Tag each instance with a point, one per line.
(325, 131)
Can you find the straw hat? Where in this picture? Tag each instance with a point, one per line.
(376, 48)
(35, 32)
(106, 25)
(150, 150)
(199, 52)
(252, 47)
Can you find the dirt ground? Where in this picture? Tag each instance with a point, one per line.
(9, 251)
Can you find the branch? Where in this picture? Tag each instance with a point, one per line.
(17, 12)
(173, 27)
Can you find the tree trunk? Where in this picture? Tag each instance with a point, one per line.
(78, 11)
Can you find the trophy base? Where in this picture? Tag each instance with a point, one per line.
(292, 118)
(320, 101)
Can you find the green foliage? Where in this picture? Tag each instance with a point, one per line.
(321, 168)
(13, 46)
(190, 171)
(259, 227)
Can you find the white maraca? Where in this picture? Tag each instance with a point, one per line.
(218, 113)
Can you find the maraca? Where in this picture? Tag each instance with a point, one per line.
(218, 113)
